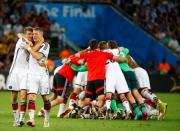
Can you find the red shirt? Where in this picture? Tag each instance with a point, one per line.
(67, 71)
(96, 61)
(164, 67)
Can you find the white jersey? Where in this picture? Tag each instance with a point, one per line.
(17, 77)
(115, 79)
(38, 77)
(34, 67)
(20, 62)
(142, 77)
(112, 64)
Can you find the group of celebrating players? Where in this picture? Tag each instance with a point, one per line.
(101, 82)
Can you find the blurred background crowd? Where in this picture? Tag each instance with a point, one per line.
(160, 18)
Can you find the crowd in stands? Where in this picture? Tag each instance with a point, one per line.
(158, 17)
(14, 16)
(161, 18)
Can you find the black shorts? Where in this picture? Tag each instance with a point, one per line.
(60, 85)
(94, 89)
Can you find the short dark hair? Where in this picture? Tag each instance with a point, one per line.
(28, 28)
(93, 44)
(112, 44)
(38, 29)
(102, 45)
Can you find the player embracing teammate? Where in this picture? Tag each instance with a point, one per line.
(35, 73)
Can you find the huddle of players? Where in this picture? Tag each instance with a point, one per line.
(103, 62)
(109, 84)
(29, 75)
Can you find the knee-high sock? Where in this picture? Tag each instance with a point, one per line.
(47, 107)
(108, 102)
(72, 100)
(15, 111)
(22, 111)
(148, 95)
(135, 108)
(126, 104)
(31, 108)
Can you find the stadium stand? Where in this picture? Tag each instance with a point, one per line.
(14, 16)
(159, 18)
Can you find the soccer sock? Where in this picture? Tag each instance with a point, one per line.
(113, 105)
(15, 112)
(125, 103)
(47, 107)
(31, 108)
(147, 94)
(72, 100)
(108, 103)
(135, 108)
(22, 111)
(121, 107)
(62, 106)
(143, 107)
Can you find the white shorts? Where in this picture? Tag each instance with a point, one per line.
(81, 79)
(39, 84)
(115, 81)
(142, 77)
(17, 81)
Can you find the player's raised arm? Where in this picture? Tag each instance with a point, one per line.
(36, 55)
(24, 39)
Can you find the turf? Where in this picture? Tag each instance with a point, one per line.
(170, 123)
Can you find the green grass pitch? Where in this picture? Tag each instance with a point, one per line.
(170, 123)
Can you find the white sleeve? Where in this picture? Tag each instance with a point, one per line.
(44, 49)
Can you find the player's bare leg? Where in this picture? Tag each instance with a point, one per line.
(126, 104)
(139, 99)
(41, 112)
(138, 113)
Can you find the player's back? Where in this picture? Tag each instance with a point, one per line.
(96, 61)
(110, 64)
